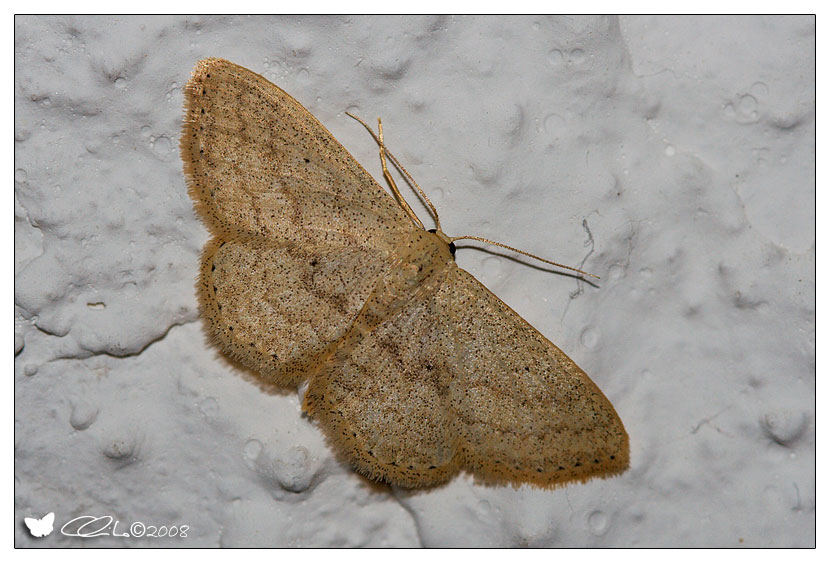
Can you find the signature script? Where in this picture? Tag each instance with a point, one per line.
(95, 526)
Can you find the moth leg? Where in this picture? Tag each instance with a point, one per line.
(392, 184)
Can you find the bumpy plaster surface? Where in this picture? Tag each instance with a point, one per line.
(663, 154)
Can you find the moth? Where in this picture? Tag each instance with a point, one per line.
(317, 276)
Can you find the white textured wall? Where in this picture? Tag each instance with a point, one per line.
(675, 156)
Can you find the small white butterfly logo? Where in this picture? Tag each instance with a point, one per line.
(42, 527)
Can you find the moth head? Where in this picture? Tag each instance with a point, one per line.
(445, 239)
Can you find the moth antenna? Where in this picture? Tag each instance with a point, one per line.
(384, 152)
(488, 241)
